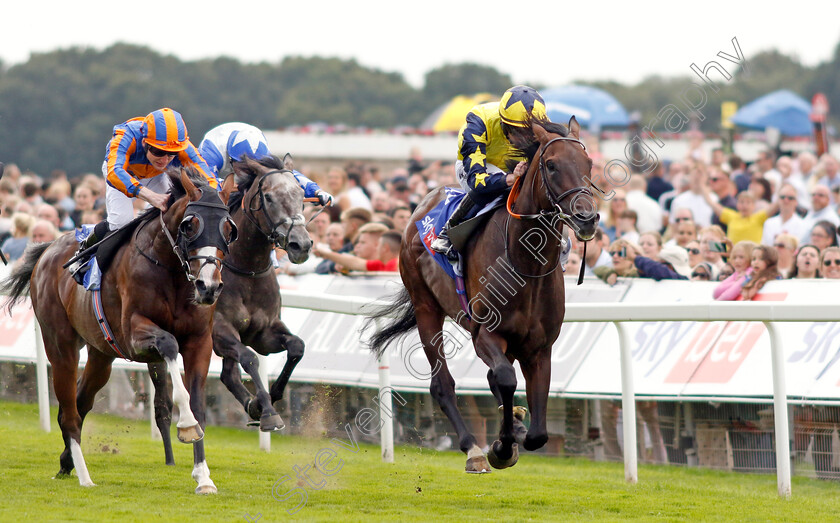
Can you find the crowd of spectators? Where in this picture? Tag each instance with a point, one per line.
(737, 223)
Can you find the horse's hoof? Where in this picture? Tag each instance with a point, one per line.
(206, 489)
(87, 484)
(478, 465)
(271, 423)
(499, 463)
(518, 411)
(535, 442)
(253, 409)
(190, 434)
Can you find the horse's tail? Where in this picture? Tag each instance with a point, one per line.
(17, 283)
(401, 308)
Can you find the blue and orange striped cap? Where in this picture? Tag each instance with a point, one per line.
(166, 130)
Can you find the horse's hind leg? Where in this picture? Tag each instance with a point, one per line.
(442, 387)
(163, 407)
(64, 365)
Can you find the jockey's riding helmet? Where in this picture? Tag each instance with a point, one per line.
(520, 104)
(247, 142)
(166, 130)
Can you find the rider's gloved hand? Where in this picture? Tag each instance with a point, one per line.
(324, 198)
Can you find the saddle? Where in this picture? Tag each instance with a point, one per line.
(102, 253)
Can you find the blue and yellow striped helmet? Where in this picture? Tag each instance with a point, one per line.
(166, 130)
(520, 104)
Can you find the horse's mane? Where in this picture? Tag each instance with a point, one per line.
(247, 175)
(529, 150)
(176, 190)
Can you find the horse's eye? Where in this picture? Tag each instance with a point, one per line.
(269, 198)
(550, 165)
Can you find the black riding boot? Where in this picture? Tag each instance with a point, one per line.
(442, 244)
(100, 230)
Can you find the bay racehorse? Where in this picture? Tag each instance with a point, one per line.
(516, 297)
(158, 296)
(267, 211)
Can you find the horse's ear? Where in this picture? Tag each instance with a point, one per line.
(574, 127)
(288, 162)
(539, 132)
(189, 186)
(227, 188)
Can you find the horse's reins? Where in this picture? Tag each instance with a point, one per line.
(273, 236)
(553, 199)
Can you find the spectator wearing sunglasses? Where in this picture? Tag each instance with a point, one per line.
(704, 271)
(787, 221)
(830, 263)
(695, 255)
(139, 152)
(786, 246)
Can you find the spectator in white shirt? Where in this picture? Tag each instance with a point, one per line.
(829, 169)
(694, 198)
(821, 209)
(647, 209)
(787, 221)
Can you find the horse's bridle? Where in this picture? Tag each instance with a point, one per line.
(553, 199)
(181, 244)
(279, 239)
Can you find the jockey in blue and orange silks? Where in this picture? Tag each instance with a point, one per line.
(485, 150)
(138, 153)
(234, 141)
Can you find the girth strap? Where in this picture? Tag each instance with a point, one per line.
(99, 312)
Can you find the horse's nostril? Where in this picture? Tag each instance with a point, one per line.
(200, 286)
(294, 246)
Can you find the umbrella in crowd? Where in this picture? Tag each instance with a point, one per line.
(593, 108)
(783, 110)
(450, 116)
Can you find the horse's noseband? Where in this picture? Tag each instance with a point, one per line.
(275, 233)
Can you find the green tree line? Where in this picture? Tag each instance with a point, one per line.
(58, 108)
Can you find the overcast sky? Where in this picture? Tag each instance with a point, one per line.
(550, 42)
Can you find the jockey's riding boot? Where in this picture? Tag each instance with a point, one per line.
(99, 232)
(442, 244)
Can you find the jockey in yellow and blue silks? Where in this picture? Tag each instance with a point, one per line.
(231, 142)
(138, 153)
(485, 151)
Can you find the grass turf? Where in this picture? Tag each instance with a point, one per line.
(423, 485)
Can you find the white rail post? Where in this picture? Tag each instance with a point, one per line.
(780, 412)
(628, 406)
(42, 379)
(386, 411)
(265, 437)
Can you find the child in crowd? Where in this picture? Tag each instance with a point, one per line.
(764, 266)
(807, 263)
(730, 288)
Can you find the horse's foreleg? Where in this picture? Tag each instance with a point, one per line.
(491, 349)
(145, 335)
(261, 408)
(196, 364)
(163, 407)
(537, 373)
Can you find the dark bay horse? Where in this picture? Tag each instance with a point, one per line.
(267, 212)
(158, 296)
(517, 299)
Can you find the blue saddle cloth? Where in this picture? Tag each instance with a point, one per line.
(431, 224)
